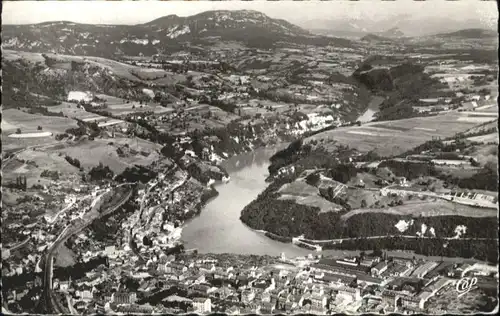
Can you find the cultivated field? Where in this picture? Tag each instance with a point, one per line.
(132, 107)
(482, 127)
(72, 110)
(396, 137)
(13, 119)
(488, 138)
(428, 209)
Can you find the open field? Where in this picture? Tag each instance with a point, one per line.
(115, 106)
(493, 137)
(298, 188)
(396, 137)
(305, 194)
(481, 127)
(477, 113)
(489, 108)
(476, 119)
(110, 122)
(12, 144)
(13, 119)
(132, 107)
(91, 153)
(355, 196)
(72, 110)
(31, 163)
(135, 143)
(428, 209)
(12, 55)
(458, 172)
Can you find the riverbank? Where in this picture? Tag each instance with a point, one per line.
(218, 228)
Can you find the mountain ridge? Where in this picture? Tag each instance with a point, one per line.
(168, 33)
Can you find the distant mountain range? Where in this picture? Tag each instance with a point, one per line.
(405, 24)
(470, 33)
(165, 34)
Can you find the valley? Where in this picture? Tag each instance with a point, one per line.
(139, 161)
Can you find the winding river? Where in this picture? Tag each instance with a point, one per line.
(218, 229)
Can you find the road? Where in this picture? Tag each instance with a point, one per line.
(22, 243)
(389, 236)
(51, 303)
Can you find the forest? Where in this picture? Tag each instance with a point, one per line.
(486, 250)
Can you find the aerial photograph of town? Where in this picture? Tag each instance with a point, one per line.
(249, 157)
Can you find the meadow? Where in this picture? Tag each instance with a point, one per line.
(427, 209)
(395, 137)
(12, 119)
(305, 194)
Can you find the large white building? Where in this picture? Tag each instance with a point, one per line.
(202, 305)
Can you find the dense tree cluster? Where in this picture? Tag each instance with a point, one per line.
(44, 111)
(286, 156)
(395, 109)
(313, 179)
(479, 249)
(54, 175)
(342, 172)
(73, 161)
(485, 179)
(288, 219)
(409, 170)
(137, 173)
(436, 145)
(228, 107)
(375, 79)
(100, 172)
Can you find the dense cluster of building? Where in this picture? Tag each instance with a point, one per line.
(230, 284)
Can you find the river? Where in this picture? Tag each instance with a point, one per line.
(218, 228)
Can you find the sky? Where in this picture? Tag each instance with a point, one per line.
(135, 12)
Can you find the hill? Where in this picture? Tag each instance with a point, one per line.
(375, 38)
(392, 33)
(470, 33)
(167, 34)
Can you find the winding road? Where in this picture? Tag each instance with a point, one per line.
(51, 303)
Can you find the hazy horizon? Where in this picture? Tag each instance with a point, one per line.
(137, 12)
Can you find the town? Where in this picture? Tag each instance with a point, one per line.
(233, 162)
(234, 284)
